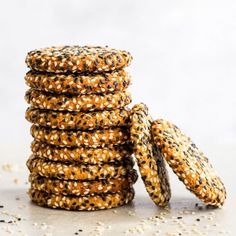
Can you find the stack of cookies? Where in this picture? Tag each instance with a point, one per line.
(78, 106)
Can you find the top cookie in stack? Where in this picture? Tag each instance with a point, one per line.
(78, 101)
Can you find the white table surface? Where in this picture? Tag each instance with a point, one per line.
(141, 217)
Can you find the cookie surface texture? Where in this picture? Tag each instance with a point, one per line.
(90, 102)
(82, 188)
(85, 203)
(79, 84)
(75, 171)
(77, 59)
(94, 138)
(189, 163)
(150, 161)
(78, 120)
(86, 155)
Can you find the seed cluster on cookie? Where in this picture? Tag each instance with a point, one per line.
(81, 154)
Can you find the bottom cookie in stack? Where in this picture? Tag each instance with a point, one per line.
(82, 203)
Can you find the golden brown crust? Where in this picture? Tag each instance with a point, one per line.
(82, 188)
(86, 155)
(75, 171)
(94, 138)
(85, 203)
(91, 102)
(189, 163)
(78, 120)
(150, 161)
(79, 84)
(77, 59)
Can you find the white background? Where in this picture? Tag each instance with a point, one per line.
(183, 69)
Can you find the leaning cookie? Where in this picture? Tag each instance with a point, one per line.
(82, 188)
(150, 161)
(77, 59)
(83, 203)
(78, 120)
(88, 155)
(90, 102)
(75, 171)
(79, 84)
(94, 138)
(189, 163)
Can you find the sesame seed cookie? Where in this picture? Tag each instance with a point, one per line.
(189, 163)
(77, 171)
(150, 161)
(94, 138)
(85, 203)
(90, 102)
(84, 155)
(78, 120)
(82, 188)
(79, 84)
(77, 59)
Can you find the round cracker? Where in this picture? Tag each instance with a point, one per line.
(82, 188)
(77, 59)
(66, 102)
(83, 203)
(189, 163)
(78, 83)
(66, 120)
(150, 161)
(93, 138)
(85, 155)
(75, 171)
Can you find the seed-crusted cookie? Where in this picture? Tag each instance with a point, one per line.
(79, 84)
(94, 138)
(82, 188)
(150, 161)
(90, 102)
(189, 163)
(85, 203)
(75, 171)
(78, 120)
(84, 155)
(77, 59)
